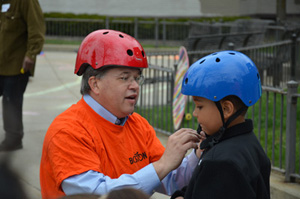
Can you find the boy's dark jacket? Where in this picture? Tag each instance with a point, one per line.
(236, 167)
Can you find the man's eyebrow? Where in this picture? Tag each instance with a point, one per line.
(123, 73)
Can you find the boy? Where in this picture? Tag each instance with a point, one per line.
(233, 163)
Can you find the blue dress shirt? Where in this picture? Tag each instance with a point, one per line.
(145, 179)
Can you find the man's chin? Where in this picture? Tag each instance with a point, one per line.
(128, 112)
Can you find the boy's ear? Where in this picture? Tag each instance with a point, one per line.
(228, 109)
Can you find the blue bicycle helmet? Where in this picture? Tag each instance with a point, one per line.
(221, 74)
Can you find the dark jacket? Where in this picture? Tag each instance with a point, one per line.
(22, 30)
(236, 168)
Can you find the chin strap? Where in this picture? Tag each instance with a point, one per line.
(214, 139)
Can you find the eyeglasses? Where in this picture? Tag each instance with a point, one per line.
(128, 79)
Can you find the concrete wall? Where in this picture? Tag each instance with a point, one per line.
(217, 7)
(246, 7)
(124, 7)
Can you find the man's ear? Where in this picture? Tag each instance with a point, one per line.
(93, 83)
(228, 109)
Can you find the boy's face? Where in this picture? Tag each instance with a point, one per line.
(207, 114)
(118, 91)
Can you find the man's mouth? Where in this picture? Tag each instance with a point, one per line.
(131, 97)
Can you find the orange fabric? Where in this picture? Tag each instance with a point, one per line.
(79, 140)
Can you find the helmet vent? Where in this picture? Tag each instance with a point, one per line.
(232, 53)
(186, 80)
(143, 53)
(105, 33)
(121, 36)
(129, 52)
(202, 61)
(218, 60)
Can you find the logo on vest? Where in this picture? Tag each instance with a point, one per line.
(138, 157)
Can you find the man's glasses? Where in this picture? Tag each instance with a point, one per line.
(128, 79)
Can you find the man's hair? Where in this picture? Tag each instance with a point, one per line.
(237, 103)
(89, 72)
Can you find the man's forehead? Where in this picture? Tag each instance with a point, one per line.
(126, 70)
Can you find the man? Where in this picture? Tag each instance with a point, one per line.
(22, 32)
(100, 144)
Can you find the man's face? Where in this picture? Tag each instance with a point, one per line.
(207, 114)
(119, 91)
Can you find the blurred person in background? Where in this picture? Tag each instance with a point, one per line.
(10, 186)
(125, 193)
(22, 32)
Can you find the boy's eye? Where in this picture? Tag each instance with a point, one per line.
(199, 107)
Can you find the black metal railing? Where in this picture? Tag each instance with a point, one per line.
(274, 115)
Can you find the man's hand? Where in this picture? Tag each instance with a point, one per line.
(202, 137)
(177, 146)
(28, 64)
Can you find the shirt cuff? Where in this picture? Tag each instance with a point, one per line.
(192, 158)
(148, 178)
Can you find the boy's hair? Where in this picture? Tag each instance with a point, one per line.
(237, 103)
(81, 196)
(127, 193)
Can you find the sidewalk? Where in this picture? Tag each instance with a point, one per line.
(52, 90)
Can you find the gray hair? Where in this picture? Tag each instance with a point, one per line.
(89, 72)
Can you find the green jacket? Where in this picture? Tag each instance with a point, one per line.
(22, 32)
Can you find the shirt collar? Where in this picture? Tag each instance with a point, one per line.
(103, 112)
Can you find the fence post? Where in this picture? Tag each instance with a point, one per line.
(136, 25)
(164, 32)
(107, 23)
(293, 56)
(172, 89)
(156, 32)
(230, 46)
(291, 115)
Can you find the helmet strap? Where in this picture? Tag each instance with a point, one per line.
(235, 115)
(231, 118)
(222, 130)
(214, 139)
(218, 104)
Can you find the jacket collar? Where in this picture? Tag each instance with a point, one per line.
(236, 130)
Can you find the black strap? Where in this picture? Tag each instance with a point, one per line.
(218, 104)
(234, 116)
(214, 139)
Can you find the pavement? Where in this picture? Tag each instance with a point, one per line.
(52, 90)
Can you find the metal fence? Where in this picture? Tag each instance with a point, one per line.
(160, 31)
(275, 115)
(157, 30)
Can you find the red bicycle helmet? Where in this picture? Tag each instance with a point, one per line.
(109, 48)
